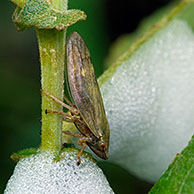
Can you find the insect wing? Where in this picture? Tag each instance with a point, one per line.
(84, 87)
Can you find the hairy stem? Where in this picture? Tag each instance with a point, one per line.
(52, 54)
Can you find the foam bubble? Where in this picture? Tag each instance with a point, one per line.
(150, 102)
(40, 174)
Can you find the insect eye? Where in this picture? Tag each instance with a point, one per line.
(102, 146)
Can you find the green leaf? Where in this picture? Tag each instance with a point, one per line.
(41, 14)
(179, 178)
(23, 154)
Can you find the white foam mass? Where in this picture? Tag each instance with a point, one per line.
(39, 174)
(150, 102)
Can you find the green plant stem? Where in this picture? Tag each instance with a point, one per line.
(52, 55)
(51, 47)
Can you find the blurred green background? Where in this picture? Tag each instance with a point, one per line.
(20, 76)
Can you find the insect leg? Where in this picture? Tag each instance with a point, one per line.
(73, 134)
(71, 109)
(67, 100)
(80, 153)
(82, 142)
(66, 117)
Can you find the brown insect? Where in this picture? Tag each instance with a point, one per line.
(87, 110)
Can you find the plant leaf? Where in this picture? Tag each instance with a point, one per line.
(179, 178)
(40, 14)
(23, 154)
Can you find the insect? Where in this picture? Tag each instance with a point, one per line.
(87, 109)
